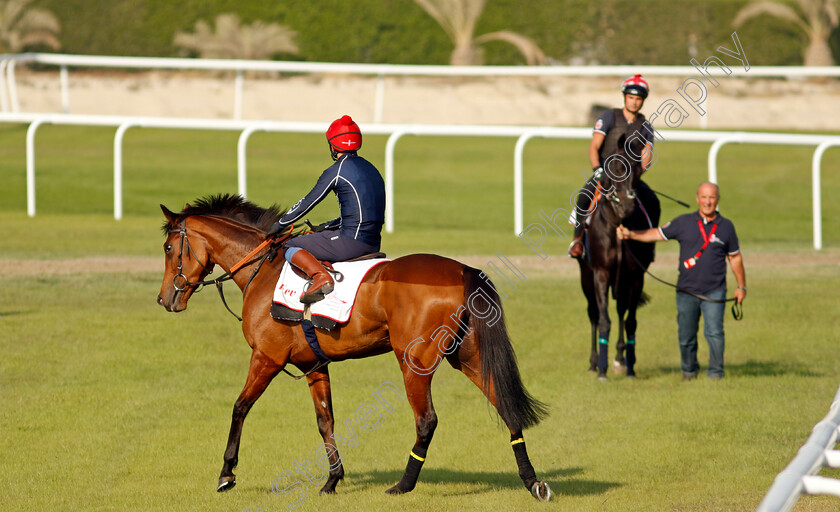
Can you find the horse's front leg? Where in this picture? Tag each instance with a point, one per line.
(260, 373)
(601, 279)
(319, 386)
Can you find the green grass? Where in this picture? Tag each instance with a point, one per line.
(110, 403)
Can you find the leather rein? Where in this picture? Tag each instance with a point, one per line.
(251, 258)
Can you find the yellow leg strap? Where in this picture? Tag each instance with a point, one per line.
(517, 441)
(421, 459)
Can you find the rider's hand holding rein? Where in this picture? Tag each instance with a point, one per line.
(275, 229)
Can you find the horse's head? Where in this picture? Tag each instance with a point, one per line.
(186, 262)
(209, 231)
(623, 170)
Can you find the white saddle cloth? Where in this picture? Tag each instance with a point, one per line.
(337, 305)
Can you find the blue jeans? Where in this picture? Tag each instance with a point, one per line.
(689, 309)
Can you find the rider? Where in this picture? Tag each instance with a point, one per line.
(361, 196)
(609, 127)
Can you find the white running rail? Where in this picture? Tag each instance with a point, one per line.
(800, 476)
(396, 132)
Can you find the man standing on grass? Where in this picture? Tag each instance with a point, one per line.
(706, 240)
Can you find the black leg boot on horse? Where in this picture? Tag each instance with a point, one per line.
(322, 282)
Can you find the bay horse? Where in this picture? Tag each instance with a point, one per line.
(455, 314)
(616, 265)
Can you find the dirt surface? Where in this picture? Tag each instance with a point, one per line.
(736, 103)
(531, 265)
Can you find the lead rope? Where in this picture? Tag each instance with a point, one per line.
(737, 307)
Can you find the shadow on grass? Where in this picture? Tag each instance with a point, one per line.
(560, 480)
(750, 368)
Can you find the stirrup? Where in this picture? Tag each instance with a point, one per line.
(316, 295)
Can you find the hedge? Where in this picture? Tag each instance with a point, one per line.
(400, 32)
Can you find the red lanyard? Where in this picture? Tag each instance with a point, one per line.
(690, 262)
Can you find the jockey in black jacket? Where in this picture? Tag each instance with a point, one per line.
(360, 191)
(610, 126)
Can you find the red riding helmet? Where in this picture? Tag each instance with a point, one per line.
(344, 135)
(635, 85)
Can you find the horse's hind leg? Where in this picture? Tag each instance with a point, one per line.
(631, 325)
(319, 387)
(418, 392)
(468, 362)
(260, 373)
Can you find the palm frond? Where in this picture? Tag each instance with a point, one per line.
(527, 47)
(775, 9)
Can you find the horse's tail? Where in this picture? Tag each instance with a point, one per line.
(644, 299)
(516, 406)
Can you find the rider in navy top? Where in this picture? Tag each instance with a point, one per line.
(608, 129)
(360, 191)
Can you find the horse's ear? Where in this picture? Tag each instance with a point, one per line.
(168, 214)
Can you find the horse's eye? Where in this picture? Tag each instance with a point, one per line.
(167, 248)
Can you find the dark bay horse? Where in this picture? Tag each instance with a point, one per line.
(616, 265)
(454, 313)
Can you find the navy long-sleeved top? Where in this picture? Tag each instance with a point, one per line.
(360, 191)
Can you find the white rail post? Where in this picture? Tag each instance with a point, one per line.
(816, 197)
(30, 166)
(4, 100)
(118, 165)
(65, 90)
(518, 153)
(242, 159)
(389, 178)
(379, 101)
(713, 152)
(13, 97)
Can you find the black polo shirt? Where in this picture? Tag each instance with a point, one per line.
(708, 273)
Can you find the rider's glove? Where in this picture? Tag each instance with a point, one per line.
(275, 228)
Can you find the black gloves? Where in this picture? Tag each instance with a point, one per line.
(274, 229)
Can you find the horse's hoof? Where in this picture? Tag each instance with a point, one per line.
(541, 491)
(396, 490)
(619, 368)
(602, 378)
(226, 483)
(326, 491)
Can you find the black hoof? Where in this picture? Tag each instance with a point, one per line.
(226, 483)
(397, 490)
(541, 491)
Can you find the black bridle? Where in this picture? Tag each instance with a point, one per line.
(208, 267)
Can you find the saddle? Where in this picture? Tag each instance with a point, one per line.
(336, 307)
(329, 265)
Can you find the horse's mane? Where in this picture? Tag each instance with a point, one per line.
(231, 206)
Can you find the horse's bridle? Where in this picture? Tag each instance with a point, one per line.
(187, 283)
(271, 243)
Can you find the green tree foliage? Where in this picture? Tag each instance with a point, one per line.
(401, 32)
